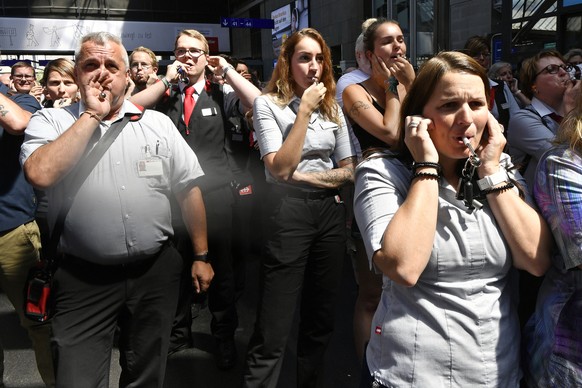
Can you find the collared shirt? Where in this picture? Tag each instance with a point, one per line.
(122, 211)
(323, 138)
(531, 131)
(453, 327)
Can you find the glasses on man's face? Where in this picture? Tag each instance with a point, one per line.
(145, 66)
(554, 69)
(193, 52)
(27, 77)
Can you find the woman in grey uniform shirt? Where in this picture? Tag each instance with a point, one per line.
(299, 126)
(446, 317)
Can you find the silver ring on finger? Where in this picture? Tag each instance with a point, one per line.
(413, 124)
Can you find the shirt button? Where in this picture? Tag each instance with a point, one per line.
(118, 163)
(122, 187)
(127, 216)
(130, 243)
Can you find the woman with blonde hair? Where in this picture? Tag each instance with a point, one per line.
(552, 335)
(308, 156)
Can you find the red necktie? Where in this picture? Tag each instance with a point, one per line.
(189, 103)
(556, 117)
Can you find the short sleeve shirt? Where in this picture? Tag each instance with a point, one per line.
(325, 141)
(122, 210)
(452, 328)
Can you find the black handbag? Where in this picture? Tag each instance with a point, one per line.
(38, 304)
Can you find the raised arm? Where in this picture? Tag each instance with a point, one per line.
(13, 118)
(282, 163)
(150, 96)
(358, 105)
(409, 236)
(49, 163)
(244, 89)
(526, 232)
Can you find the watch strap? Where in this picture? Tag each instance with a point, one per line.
(493, 180)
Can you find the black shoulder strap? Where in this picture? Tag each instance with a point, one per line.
(85, 167)
(502, 105)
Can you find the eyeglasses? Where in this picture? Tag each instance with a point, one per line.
(193, 52)
(554, 69)
(27, 77)
(482, 55)
(135, 66)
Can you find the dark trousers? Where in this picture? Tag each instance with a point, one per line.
(304, 252)
(92, 300)
(242, 235)
(221, 294)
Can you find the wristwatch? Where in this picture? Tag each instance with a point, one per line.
(225, 70)
(493, 180)
(202, 257)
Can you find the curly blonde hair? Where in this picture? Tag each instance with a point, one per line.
(281, 86)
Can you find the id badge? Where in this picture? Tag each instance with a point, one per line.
(149, 167)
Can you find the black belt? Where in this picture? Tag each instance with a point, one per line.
(306, 194)
(137, 261)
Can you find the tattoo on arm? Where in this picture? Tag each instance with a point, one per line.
(3, 111)
(355, 111)
(337, 177)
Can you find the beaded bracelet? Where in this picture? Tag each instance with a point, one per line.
(417, 165)
(425, 175)
(93, 115)
(499, 189)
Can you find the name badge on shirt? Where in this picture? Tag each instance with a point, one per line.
(209, 112)
(149, 167)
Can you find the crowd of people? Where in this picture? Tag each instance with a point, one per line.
(459, 182)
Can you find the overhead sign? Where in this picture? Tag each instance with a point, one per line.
(246, 23)
(25, 35)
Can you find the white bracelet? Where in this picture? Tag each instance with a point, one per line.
(517, 92)
(493, 180)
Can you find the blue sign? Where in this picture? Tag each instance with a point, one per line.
(247, 23)
(568, 3)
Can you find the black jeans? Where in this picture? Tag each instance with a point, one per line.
(304, 253)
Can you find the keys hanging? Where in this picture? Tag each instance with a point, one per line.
(465, 188)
